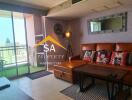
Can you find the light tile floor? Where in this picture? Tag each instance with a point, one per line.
(45, 88)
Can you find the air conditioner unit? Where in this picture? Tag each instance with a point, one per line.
(75, 1)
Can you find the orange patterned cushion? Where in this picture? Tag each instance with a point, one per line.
(118, 58)
(88, 55)
(103, 56)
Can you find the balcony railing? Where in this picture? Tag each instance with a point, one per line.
(8, 54)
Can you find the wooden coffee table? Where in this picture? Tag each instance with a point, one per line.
(95, 72)
(64, 70)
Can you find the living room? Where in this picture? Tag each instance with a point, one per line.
(65, 49)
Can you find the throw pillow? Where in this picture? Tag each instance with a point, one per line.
(118, 58)
(129, 59)
(103, 56)
(88, 55)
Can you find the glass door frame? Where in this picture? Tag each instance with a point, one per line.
(14, 40)
(26, 43)
(25, 28)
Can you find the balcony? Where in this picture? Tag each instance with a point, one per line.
(15, 61)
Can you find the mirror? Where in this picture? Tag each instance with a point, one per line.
(111, 23)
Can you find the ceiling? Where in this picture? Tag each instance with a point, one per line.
(38, 3)
(66, 10)
(86, 7)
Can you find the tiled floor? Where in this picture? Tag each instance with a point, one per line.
(45, 88)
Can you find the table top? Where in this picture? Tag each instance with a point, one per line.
(71, 64)
(109, 66)
(100, 72)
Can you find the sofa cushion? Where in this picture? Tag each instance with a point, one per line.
(129, 59)
(85, 47)
(103, 56)
(118, 58)
(88, 55)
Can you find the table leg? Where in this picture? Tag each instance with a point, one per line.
(112, 91)
(129, 91)
(81, 84)
(91, 84)
(108, 90)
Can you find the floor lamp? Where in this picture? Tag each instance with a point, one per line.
(69, 52)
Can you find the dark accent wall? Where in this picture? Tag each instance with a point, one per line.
(75, 27)
(50, 31)
(38, 24)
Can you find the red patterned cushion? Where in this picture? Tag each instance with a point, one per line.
(103, 56)
(118, 58)
(88, 55)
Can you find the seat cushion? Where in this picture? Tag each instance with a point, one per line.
(103, 56)
(118, 58)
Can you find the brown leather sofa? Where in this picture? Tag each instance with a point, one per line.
(127, 47)
(111, 47)
(124, 47)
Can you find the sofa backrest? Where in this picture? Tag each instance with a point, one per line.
(107, 46)
(124, 47)
(88, 47)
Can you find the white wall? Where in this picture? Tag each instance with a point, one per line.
(107, 37)
(31, 39)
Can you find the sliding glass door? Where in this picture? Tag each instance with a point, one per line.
(7, 49)
(20, 42)
(13, 45)
(17, 41)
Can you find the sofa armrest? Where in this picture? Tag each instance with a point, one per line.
(77, 57)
